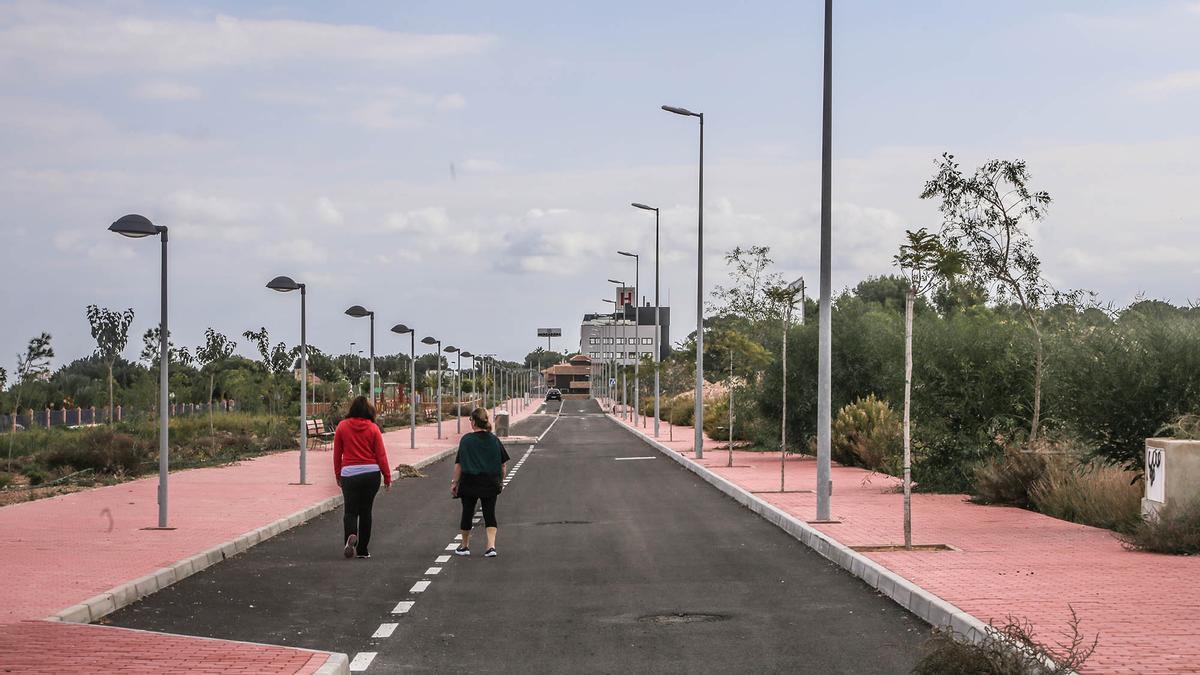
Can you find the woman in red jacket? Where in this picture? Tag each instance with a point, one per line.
(359, 459)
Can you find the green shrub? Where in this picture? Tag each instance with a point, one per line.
(1008, 478)
(1100, 495)
(681, 410)
(867, 433)
(100, 449)
(35, 476)
(6, 479)
(1176, 530)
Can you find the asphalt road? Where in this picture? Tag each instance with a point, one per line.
(606, 565)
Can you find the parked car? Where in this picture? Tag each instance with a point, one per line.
(553, 394)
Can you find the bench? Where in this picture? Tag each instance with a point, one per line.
(318, 437)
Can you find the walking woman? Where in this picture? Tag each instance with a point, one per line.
(359, 461)
(479, 477)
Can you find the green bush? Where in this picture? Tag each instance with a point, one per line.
(100, 449)
(681, 410)
(1100, 495)
(6, 479)
(1176, 530)
(36, 476)
(867, 433)
(1008, 478)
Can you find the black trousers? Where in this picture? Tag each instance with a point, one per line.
(468, 510)
(359, 492)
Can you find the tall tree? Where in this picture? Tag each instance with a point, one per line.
(276, 360)
(111, 332)
(215, 350)
(34, 363)
(748, 295)
(987, 215)
(926, 260)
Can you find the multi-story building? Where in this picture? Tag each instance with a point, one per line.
(624, 336)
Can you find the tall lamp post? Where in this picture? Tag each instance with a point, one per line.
(657, 324)
(620, 355)
(637, 327)
(698, 442)
(135, 226)
(451, 349)
(789, 297)
(825, 332)
(431, 341)
(474, 383)
(284, 285)
(401, 329)
(357, 311)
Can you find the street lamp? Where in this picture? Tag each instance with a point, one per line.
(401, 329)
(358, 312)
(431, 341)
(657, 324)
(284, 285)
(698, 442)
(637, 329)
(474, 383)
(136, 227)
(451, 349)
(824, 331)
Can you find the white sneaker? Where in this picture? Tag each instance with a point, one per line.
(462, 551)
(490, 553)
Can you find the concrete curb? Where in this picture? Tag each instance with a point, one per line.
(129, 592)
(931, 608)
(336, 664)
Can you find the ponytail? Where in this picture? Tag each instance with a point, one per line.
(479, 417)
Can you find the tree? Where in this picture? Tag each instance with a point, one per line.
(276, 360)
(986, 215)
(111, 332)
(542, 359)
(216, 349)
(747, 297)
(34, 363)
(926, 260)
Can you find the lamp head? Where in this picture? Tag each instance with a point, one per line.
(638, 205)
(429, 340)
(680, 111)
(626, 253)
(796, 285)
(135, 226)
(450, 348)
(401, 329)
(283, 284)
(468, 355)
(358, 311)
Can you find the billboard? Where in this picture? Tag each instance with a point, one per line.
(549, 332)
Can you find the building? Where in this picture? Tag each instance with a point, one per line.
(573, 378)
(625, 336)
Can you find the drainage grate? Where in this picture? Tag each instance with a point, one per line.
(681, 617)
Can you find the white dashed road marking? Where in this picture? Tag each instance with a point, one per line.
(433, 570)
(442, 559)
(420, 586)
(361, 661)
(385, 630)
(403, 607)
(451, 547)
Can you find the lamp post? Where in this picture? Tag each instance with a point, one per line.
(284, 285)
(451, 349)
(431, 341)
(637, 327)
(619, 365)
(825, 333)
(401, 329)
(624, 349)
(135, 226)
(474, 383)
(657, 324)
(357, 311)
(698, 442)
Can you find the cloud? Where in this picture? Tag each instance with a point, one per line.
(81, 42)
(300, 251)
(192, 215)
(482, 166)
(167, 91)
(1175, 83)
(328, 213)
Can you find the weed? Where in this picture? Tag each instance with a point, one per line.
(1008, 478)
(1011, 649)
(1176, 530)
(1100, 495)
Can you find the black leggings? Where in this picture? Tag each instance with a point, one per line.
(489, 511)
(359, 492)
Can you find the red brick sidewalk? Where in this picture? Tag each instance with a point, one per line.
(1008, 561)
(61, 551)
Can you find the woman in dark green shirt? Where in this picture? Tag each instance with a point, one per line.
(478, 477)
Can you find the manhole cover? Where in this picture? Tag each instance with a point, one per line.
(681, 617)
(565, 522)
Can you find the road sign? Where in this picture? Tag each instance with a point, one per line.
(625, 296)
(549, 332)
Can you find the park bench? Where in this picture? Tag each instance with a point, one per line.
(318, 437)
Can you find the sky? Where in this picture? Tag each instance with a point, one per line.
(466, 168)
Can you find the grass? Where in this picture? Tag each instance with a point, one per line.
(1008, 478)
(1100, 495)
(1175, 530)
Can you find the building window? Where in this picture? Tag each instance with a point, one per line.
(620, 341)
(608, 355)
(593, 341)
(595, 355)
(647, 341)
(647, 355)
(608, 341)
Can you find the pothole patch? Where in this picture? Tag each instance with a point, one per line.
(680, 617)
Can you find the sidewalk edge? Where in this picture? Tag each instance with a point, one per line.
(336, 664)
(129, 592)
(929, 607)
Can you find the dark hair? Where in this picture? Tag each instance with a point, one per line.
(361, 407)
(479, 417)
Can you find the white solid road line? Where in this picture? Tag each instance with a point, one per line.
(420, 586)
(442, 559)
(385, 630)
(361, 661)
(433, 570)
(621, 459)
(403, 606)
